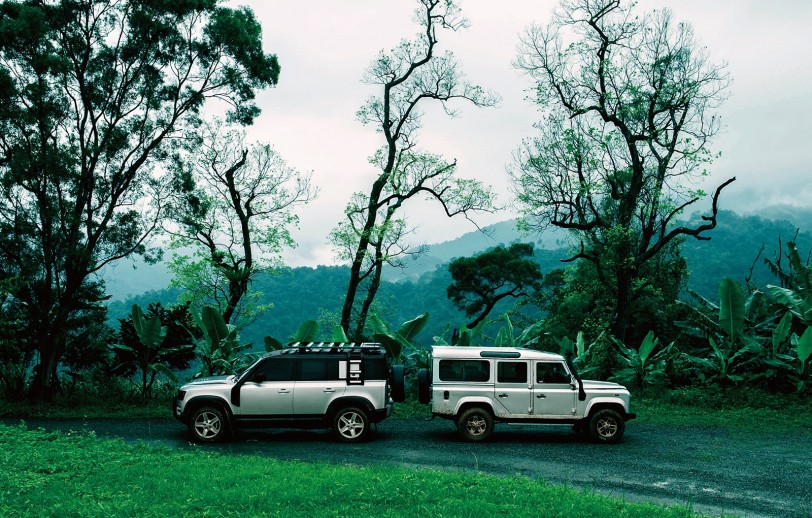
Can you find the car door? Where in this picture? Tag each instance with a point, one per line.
(512, 389)
(269, 390)
(317, 386)
(554, 394)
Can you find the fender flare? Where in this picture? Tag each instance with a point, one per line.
(474, 401)
(605, 402)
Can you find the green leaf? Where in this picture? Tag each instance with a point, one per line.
(731, 307)
(213, 325)
(531, 333)
(804, 347)
(272, 344)
(339, 335)
(377, 325)
(393, 347)
(648, 345)
(307, 332)
(410, 329)
(781, 331)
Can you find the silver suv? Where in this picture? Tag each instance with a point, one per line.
(305, 385)
(478, 386)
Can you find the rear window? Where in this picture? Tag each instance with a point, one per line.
(375, 368)
(464, 370)
(319, 369)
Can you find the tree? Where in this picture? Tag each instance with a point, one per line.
(481, 281)
(409, 76)
(93, 96)
(235, 204)
(628, 105)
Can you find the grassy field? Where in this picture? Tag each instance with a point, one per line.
(53, 474)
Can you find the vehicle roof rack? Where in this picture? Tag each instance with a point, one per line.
(335, 346)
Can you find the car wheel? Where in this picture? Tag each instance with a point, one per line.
(423, 386)
(351, 424)
(475, 424)
(398, 384)
(208, 424)
(606, 426)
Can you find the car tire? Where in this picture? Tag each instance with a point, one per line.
(606, 426)
(351, 424)
(208, 424)
(398, 384)
(475, 424)
(423, 386)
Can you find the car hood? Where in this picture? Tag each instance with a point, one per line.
(211, 380)
(602, 385)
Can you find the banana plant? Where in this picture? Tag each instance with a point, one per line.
(724, 326)
(400, 345)
(640, 366)
(148, 355)
(220, 348)
(803, 347)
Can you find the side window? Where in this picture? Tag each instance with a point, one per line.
(276, 369)
(374, 368)
(511, 372)
(464, 370)
(319, 369)
(552, 373)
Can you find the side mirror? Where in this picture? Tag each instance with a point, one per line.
(259, 377)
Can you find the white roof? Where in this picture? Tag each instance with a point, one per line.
(459, 352)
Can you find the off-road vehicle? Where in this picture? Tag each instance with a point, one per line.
(479, 386)
(343, 386)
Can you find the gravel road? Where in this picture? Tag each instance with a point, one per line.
(717, 470)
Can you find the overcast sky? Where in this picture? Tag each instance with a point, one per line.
(325, 45)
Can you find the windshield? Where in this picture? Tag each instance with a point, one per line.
(245, 367)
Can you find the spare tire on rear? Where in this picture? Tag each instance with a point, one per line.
(423, 386)
(398, 384)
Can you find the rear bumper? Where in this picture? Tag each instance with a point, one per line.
(379, 415)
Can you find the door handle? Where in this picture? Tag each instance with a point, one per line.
(284, 391)
(503, 395)
(329, 390)
(541, 396)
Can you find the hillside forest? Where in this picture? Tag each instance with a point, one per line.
(110, 157)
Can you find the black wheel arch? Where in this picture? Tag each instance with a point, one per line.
(356, 401)
(200, 401)
(617, 407)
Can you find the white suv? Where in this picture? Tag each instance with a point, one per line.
(305, 385)
(478, 386)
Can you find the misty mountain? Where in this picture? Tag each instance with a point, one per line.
(737, 249)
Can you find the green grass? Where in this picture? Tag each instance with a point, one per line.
(53, 474)
(740, 410)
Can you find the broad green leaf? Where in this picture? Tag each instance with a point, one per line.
(392, 346)
(307, 332)
(804, 347)
(580, 346)
(781, 331)
(214, 325)
(377, 325)
(531, 333)
(272, 344)
(410, 329)
(793, 301)
(731, 307)
(339, 335)
(648, 345)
